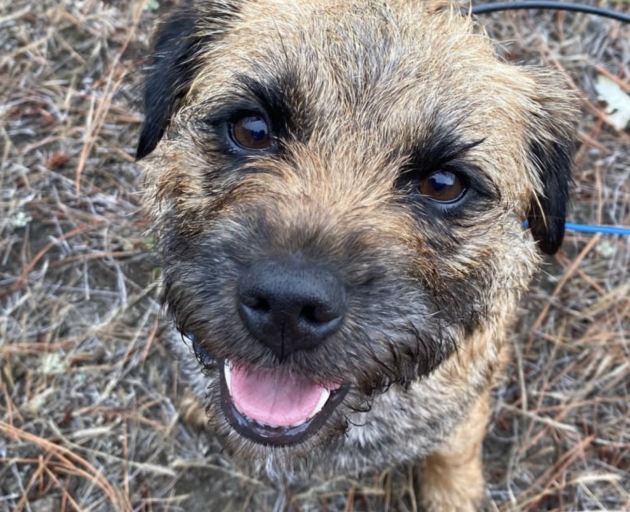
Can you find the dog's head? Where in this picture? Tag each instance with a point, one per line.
(338, 189)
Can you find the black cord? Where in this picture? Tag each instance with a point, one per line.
(558, 6)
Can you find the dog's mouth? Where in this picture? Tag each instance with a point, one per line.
(273, 406)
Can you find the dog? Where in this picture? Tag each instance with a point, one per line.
(338, 190)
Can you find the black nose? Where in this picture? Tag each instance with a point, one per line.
(289, 305)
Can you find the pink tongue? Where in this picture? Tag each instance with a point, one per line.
(275, 397)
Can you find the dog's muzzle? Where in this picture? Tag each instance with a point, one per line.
(288, 305)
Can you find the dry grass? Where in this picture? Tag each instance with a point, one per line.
(88, 402)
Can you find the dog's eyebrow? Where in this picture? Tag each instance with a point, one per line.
(438, 145)
(281, 97)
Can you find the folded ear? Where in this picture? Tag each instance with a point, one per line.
(552, 134)
(178, 45)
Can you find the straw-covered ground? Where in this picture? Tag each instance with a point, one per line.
(88, 397)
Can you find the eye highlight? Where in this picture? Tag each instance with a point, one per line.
(443, 187)
(250, 132)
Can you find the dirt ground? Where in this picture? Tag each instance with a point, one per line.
(88, 397)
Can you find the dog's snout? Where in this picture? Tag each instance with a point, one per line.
(289, 305)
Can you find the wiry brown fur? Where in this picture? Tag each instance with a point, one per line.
(368, 84)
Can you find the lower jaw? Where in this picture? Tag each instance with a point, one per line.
(268, 435)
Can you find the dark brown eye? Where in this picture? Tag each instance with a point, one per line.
(251, 132)
(442, 186)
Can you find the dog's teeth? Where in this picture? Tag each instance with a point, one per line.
(320, 404)
(227, 371)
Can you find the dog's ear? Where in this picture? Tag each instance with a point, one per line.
(552, 134)
(177, 47)
(171, 71)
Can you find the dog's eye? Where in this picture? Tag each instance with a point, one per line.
(250, 132)
(443, 187)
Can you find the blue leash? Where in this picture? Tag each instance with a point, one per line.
(606, 230)
(588, 228)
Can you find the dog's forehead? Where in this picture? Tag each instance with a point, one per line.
(348, 45)
(398, 57)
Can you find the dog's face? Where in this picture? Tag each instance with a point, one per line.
(338, 190)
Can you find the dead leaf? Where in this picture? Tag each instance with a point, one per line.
(618, 102)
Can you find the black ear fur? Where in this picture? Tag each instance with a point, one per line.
(547, 213)
(176, 51)
(552, 137)
(172, 69)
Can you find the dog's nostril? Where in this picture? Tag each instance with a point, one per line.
(309, 313)
(256, 303)
(263, 305)
(318, 314)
